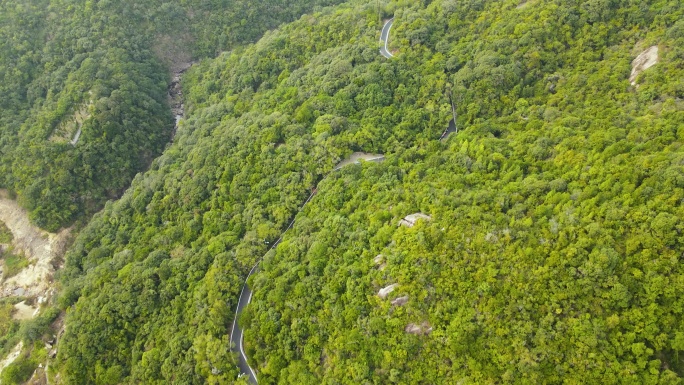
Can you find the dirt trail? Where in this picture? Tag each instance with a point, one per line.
(40, 247)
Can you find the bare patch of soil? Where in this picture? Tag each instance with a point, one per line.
(22, 311)
(522, 5)
(40, 247)
(356, 157)
(70, 129)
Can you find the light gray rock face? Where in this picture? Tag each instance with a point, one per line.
(644, 61)
(411, 219)
(384, 292)
(423, 329)
(400, 301)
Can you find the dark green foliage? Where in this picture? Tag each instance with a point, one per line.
(208, 205)
(32, 330)
(553, 253)
(102, 67)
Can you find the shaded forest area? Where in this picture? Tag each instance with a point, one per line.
(102, 68)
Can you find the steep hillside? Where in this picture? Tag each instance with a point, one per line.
(254, 143)
(551, 238)
(553, 253)
(83, 93)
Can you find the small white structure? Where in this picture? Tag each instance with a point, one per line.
(644, 61)
(384, 292)
(410, 220)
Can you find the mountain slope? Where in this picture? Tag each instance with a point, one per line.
(554, 249)
(552, 253)
(83, 100)
(253, 143)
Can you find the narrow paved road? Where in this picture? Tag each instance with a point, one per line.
(384, 35)
(237, 335)
(236, 332)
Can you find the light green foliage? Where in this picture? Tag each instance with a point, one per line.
(12, 263)
(553, 253)
(18, 371)
(555, 246)
(5, 234)
(21, 370)
(8, 327)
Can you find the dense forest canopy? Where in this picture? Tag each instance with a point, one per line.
(101, 68)
(551, 249)
(554, 250)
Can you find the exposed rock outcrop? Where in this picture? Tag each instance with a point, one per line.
(386, 290)
(356, 158)
(644, 61)
(13, 355)
(24, 311)
(410, 220)
(41, 248)
(379, 261)
(423, 329)
(400, 301)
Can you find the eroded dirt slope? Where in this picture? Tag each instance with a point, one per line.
(40, 247)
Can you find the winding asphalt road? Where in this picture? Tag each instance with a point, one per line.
(384, 35)
(237, 335)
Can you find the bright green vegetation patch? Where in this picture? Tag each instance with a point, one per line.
(5, 234)
(554, 253)
(13, 263)
(21, 370)
(8, 327)
(554, 249)
(34, 333)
